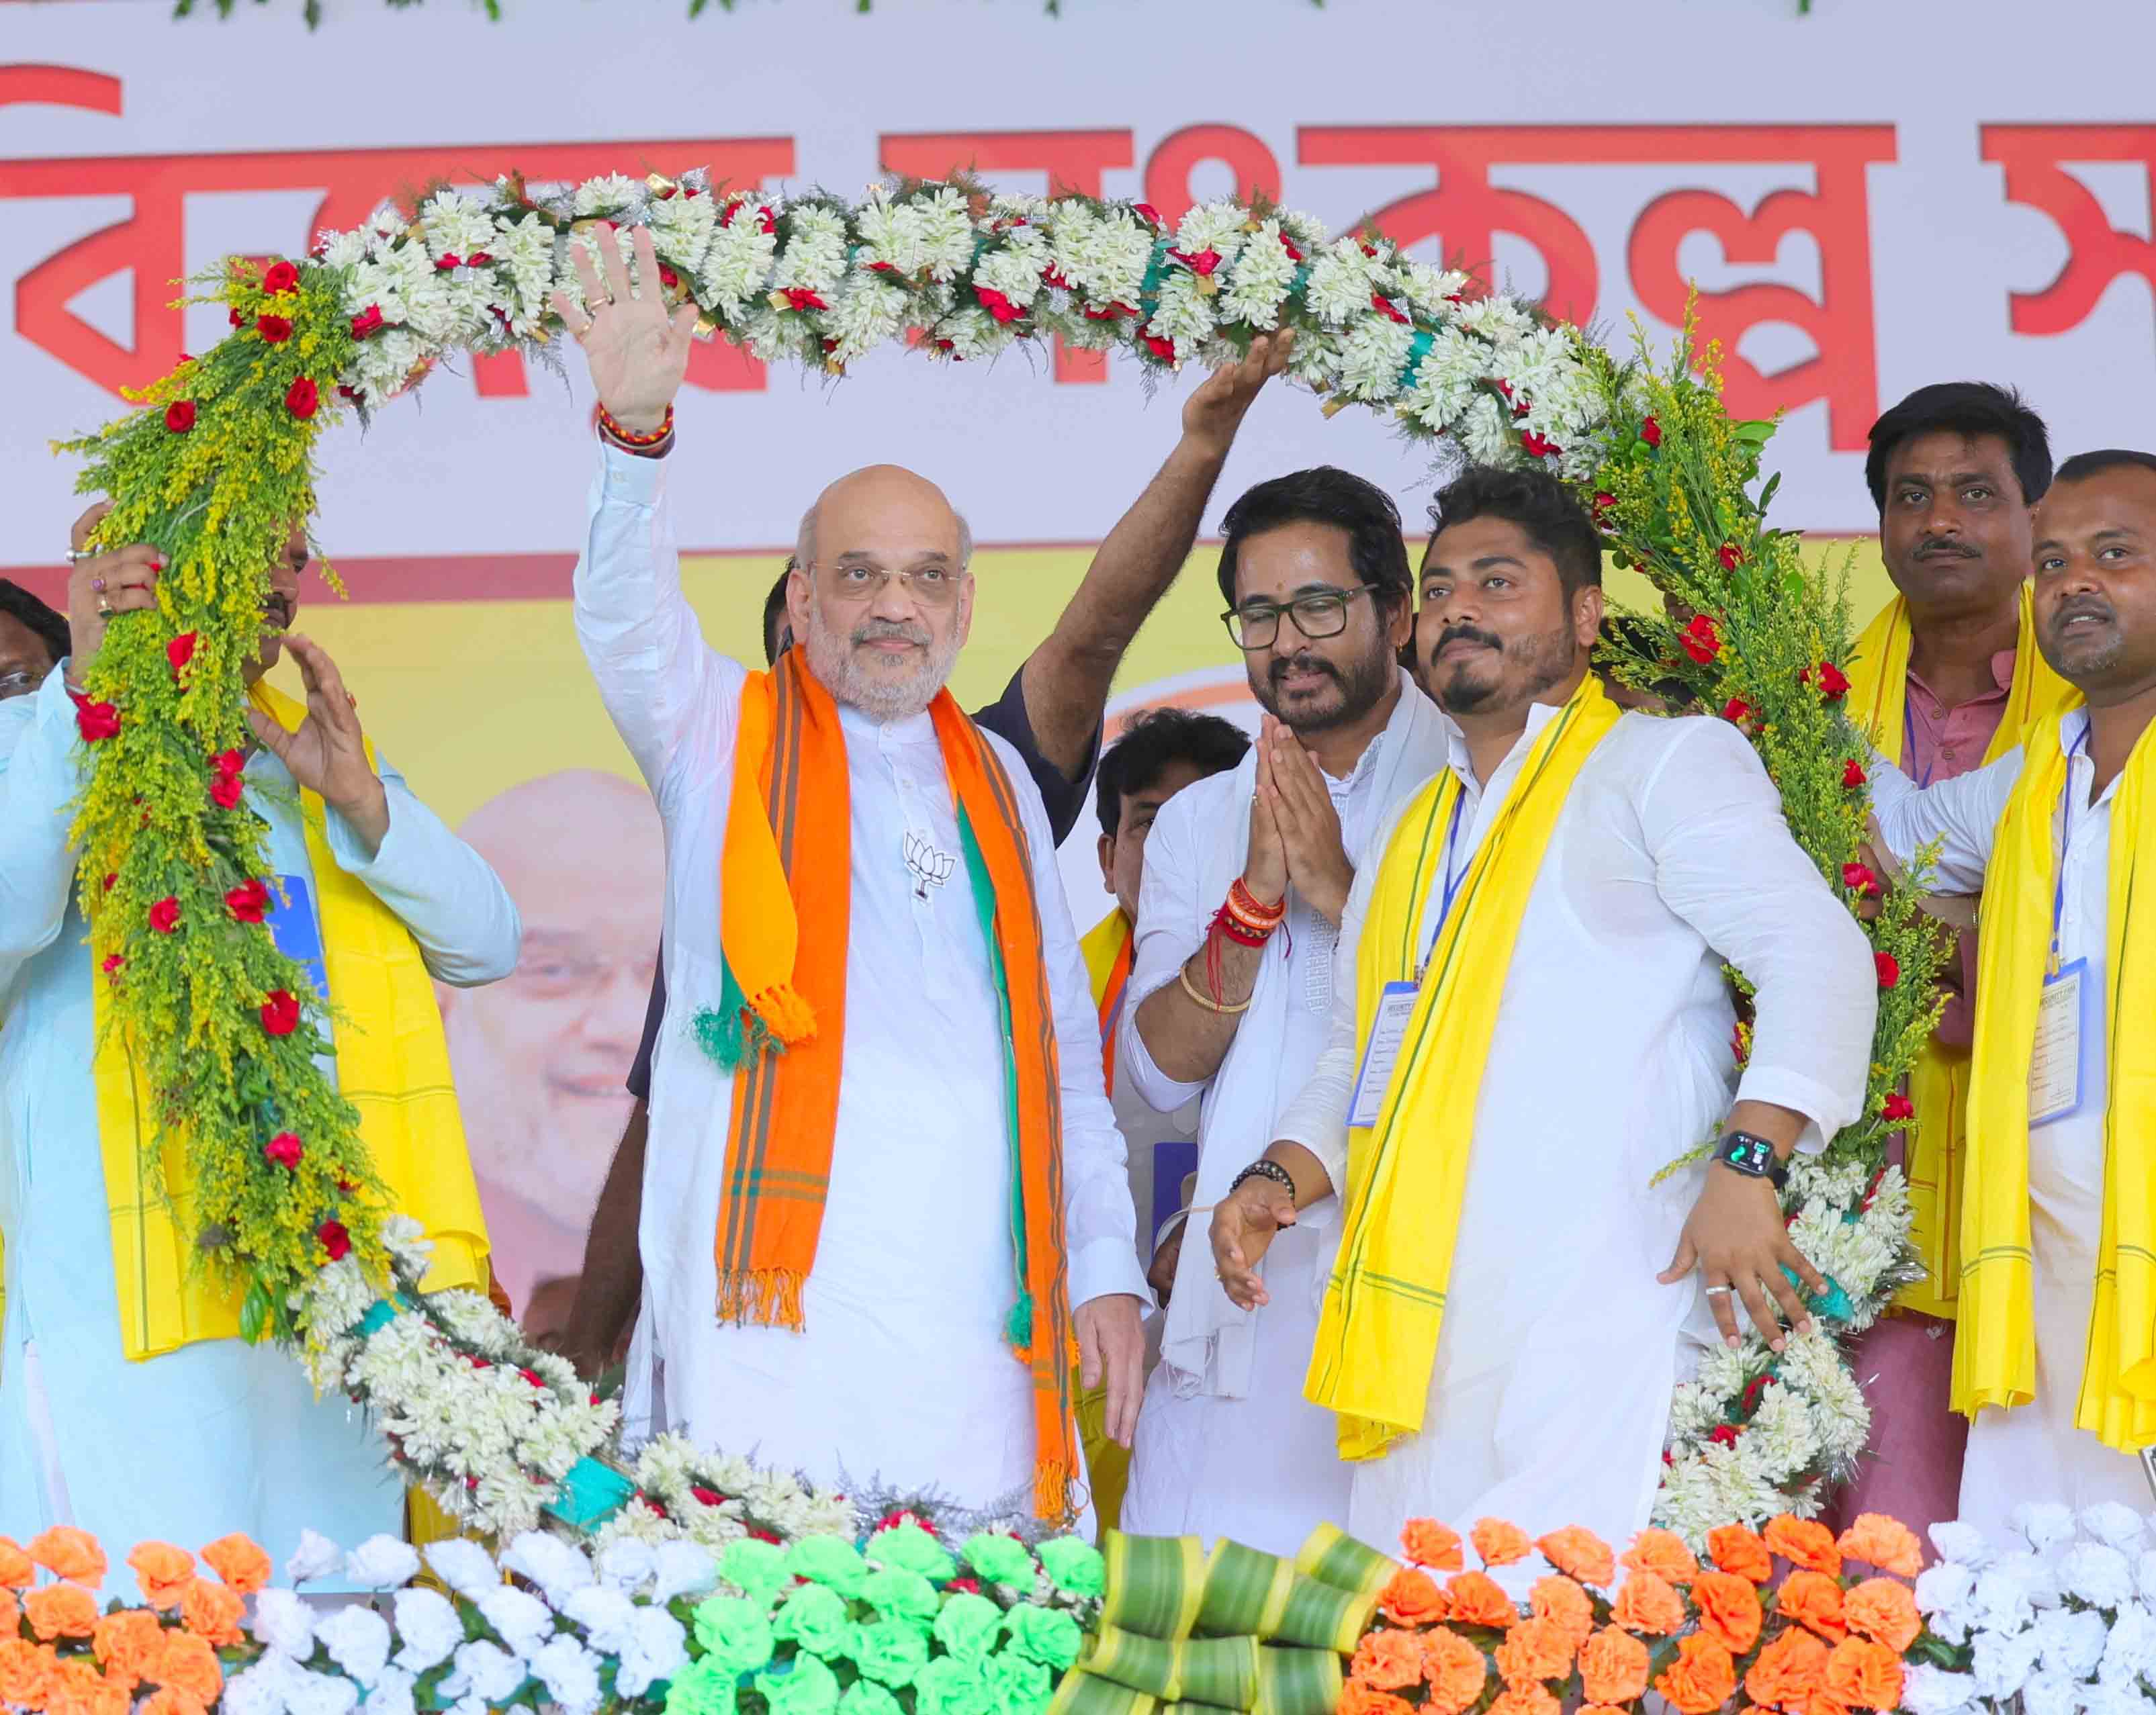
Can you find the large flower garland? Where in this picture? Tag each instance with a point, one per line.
(216, 467)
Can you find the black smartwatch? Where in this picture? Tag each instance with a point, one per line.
(1752, 1156)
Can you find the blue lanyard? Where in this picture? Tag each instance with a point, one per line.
(2065, 840)
(1909, 743)
(1452, 884)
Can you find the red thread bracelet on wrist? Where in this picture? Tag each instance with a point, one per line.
(1242, 934)
(1247, 906)
(611, 426)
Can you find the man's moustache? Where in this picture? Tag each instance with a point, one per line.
(1466, 633)
(877, 628)
(2080, 606)
(1944, 548)
(1301, 663)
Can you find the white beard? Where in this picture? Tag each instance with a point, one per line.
(833, 659)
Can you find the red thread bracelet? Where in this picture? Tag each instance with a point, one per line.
(611, 427)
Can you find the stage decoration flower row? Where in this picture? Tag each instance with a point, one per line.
(216, 466)
(905, 1622)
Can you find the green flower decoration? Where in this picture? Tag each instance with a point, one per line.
(1000, 1558)
(904, 1596)
(1048, 1636)
(1016, 1686)
(889, 1651)
(827, 1561)
(756, 1569)
(735, 1634)
(808, 1688)
(816, 1618)
(910, 1548)
(968, 1626)
(1076, 1568)
(701, 1688)
(944, 1687)
(867, 1698)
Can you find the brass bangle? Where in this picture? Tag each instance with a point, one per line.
(1183, 976)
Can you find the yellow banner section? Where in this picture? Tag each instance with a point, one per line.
(487, 709)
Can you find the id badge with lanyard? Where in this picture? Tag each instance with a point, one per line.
(1396, 1001)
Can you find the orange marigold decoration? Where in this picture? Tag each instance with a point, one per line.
(1729, 1610)
(1429, 1544)
(65, 1552)
(1864, 1674)
(1525, 1700)
(239, 1562)
(1813, 1599)
(163, 1571)
(1475, 1599)
(168, 1701)
(60, 1610)
(1702, 1677)
(213, 1611)
(1648, 1602)
(1357, 1698)
(1883, 1542)
(77, 1688)
(126, 1643)
(1412, 1598)
(1663, 1553)
(17, 1570)
(26, 1669)
(1500, 1544)
(1534, 1650)
(188, 1664)
(1805, 1543)
(1884, 1611)
(1455, 1670)
(1388, 1661)
(1612, 1667)
(1558, 1600)
(10, 1613)
(1733, 1548)
(1601, 1709)
(1787, 1671)
(1580, 1553)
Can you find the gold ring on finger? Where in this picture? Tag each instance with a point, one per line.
(105, 608)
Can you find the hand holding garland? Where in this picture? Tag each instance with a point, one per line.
(638, 351)
(122, 582)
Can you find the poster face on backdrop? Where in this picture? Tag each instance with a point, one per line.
(1866, 199)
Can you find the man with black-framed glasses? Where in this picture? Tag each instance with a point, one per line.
(1246, 875)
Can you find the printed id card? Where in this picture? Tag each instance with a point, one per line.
(298, 932)
(2057, 1079)
(1388, 1031)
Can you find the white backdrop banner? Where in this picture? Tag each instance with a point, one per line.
(1870, 198)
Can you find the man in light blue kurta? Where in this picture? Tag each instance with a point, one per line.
(216, 1436)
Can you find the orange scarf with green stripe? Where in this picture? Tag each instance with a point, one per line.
(786, 890)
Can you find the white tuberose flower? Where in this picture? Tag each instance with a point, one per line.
(382, 1562)
(357, 1639)
(284, 1621)
(427, 1621)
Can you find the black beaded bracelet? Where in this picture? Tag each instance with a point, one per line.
(1264, 1170)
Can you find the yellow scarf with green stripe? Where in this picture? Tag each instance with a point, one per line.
(1995, 1341)
(1376, 1336)
(393, 1064)
(1938, 1082)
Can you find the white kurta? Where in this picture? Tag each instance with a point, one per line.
(1549, 1398)
(901, 1374)
(1227, 1446)
(219, 1435)
(2035, 1452)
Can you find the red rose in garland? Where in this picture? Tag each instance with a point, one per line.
(301, 398)
(1736, 711)
(282, 278)
(164, 915)
(1852, 774)
(367, 323)
(1162, 348)
(1701, 639)
(1889, 969)
(248, 901)
(226, 790)
(281, 1013)
(180, 415)
(1650, 432)
(1730, 555)
(998, 304)
(180, 651)
(1897, 1106)
(95, 720)
(335, 1239)
(283, 1151)
(275, 329)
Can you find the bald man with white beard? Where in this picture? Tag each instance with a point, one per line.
(538, 1056)
(878, 1206)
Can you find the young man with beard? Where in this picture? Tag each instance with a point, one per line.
(130, 1405)
(2055, 1324)
(880, 1210)
(1245, 877)
(1943, 681)
(1529, 1025)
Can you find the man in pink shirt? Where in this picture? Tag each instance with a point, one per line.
(1945, 677)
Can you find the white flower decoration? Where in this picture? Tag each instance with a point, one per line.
(485, 1671)
(382, 1562)
(626, 1563)
(607, 1615)
(316, 1557)
(682, 1569)
(554, 1566)
(2098, 1575)
(521, 1618)
(2045, 1523)
(657, 1649)
(321, 1694)
(465, 1566)
(1926, 1690)
(357, 1639)
(285, 1622)
(570, 1673)
(2115, 1526)
(428, 1623)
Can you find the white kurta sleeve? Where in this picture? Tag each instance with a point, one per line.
(1100, 1221)
(1725, 862)
(41, 771)
(1318, 1117)
(1962, 814)
(1168, 934)
(662, 685)
(445, 892)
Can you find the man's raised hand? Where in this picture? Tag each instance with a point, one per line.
(638, 351)
(1213, 412)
